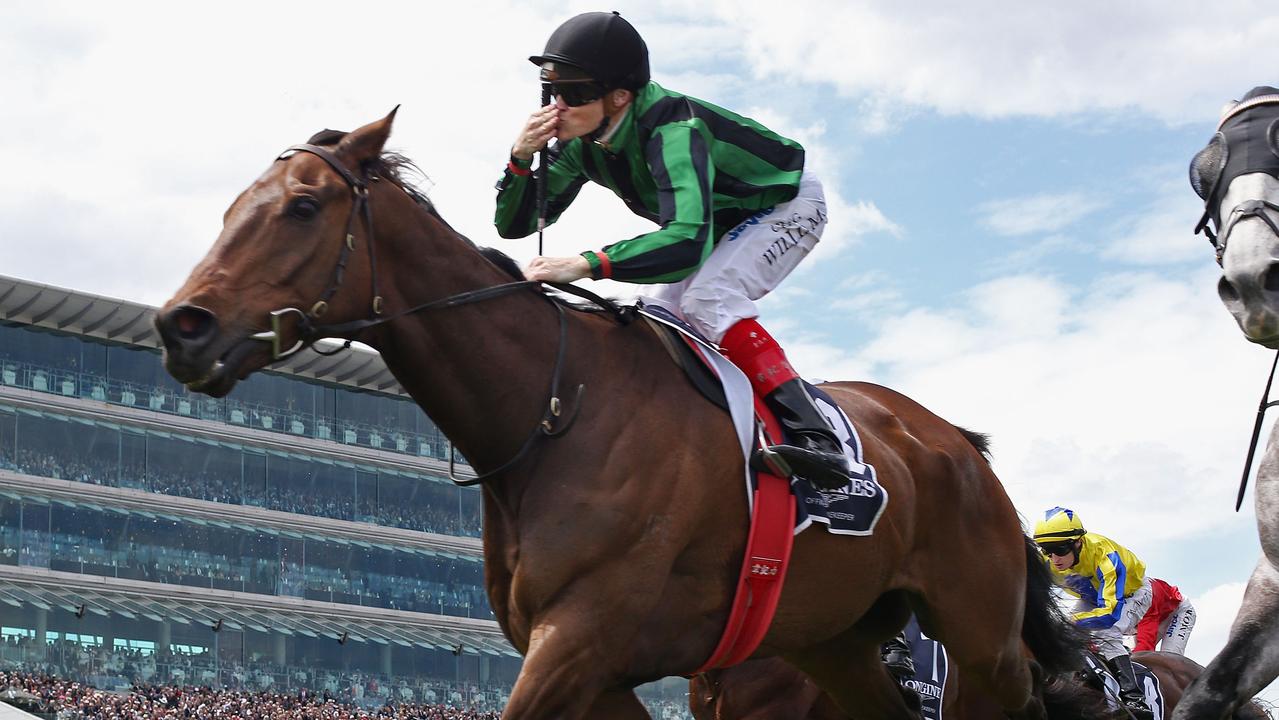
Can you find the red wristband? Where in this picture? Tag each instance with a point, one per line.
(522, 172)
(606, 267)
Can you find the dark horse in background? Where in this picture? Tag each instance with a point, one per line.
(615, 519)
(769, 689)
(1237, 176)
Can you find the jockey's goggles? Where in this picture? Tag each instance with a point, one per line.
(576, 93)
(1060, 549)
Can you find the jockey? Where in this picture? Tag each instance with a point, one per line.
(736, 205)
(1170, 616)
(1112, 588)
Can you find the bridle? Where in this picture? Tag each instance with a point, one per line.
(1250, 155)
(1211, 172)
(308, 331)
(552, 423)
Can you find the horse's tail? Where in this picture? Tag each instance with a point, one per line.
(1056, 644)
(1054, 640)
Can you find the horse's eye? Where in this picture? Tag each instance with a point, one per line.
(304, 208)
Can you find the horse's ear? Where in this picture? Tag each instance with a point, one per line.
(366, 143)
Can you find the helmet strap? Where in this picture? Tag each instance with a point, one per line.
(603, 134)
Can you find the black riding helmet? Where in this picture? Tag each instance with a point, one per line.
(602, 45)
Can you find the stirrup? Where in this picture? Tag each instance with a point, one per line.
(768, 459)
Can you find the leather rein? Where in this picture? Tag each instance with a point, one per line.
(553, 422)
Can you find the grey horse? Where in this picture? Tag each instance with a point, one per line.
(1237, 175)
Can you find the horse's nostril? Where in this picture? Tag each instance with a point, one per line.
(1271, 279)
(1226, 291)
(192, 323)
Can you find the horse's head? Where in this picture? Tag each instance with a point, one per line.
(279, 264)
(1237, 175)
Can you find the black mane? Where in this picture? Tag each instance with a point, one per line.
(394, 166)
(391, 165)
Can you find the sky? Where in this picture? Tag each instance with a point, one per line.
(1010, 238)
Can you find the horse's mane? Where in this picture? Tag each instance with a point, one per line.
(507, 264)
(394, 167)
(390, 165)
(979, 440)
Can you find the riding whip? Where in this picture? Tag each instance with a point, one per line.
(539, 176)
(1256, 433)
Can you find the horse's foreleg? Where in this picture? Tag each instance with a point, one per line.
(1250, 659)
(566, 674)
(849, 668)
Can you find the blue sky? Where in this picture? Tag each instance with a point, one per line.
(1010, 220)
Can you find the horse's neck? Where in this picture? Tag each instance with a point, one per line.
(481, 370)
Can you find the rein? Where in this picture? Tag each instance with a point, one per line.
(308, 331)
(1266, 404)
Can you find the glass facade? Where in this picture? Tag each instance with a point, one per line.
(68, 447)
(90, 537)
(84, 538)
(72, 365)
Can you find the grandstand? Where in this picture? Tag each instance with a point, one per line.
(300, 533)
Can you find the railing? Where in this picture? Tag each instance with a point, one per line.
(224, 410)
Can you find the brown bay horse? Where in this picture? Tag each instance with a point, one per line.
(770, 689)
(612, 540)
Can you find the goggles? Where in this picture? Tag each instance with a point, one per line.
(577, 93)
(1060, 549)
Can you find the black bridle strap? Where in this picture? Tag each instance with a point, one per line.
(552, 412)
(360, 207)
(1255, 208)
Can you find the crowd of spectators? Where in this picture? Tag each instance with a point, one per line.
(123, 668)
(423, 515)
(66, 672)
(69, 700)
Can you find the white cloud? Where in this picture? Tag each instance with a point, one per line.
(1118, 399)
(1170, 60)
(1160, 232)
(1042, 213)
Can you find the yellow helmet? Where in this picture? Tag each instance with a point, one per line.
(1059, 524)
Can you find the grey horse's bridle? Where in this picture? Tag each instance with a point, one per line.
(1237, 149)
(1246, 141)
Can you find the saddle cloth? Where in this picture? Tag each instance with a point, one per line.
(1148, 680)
(851, 510)
(932, 665)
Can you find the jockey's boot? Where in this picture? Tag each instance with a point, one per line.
(897, 657)
(816, 455)
(1130, 692)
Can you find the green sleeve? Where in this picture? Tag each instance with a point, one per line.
(516, 215)
(678, 156)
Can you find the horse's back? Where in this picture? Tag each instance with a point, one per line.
(926, 462)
